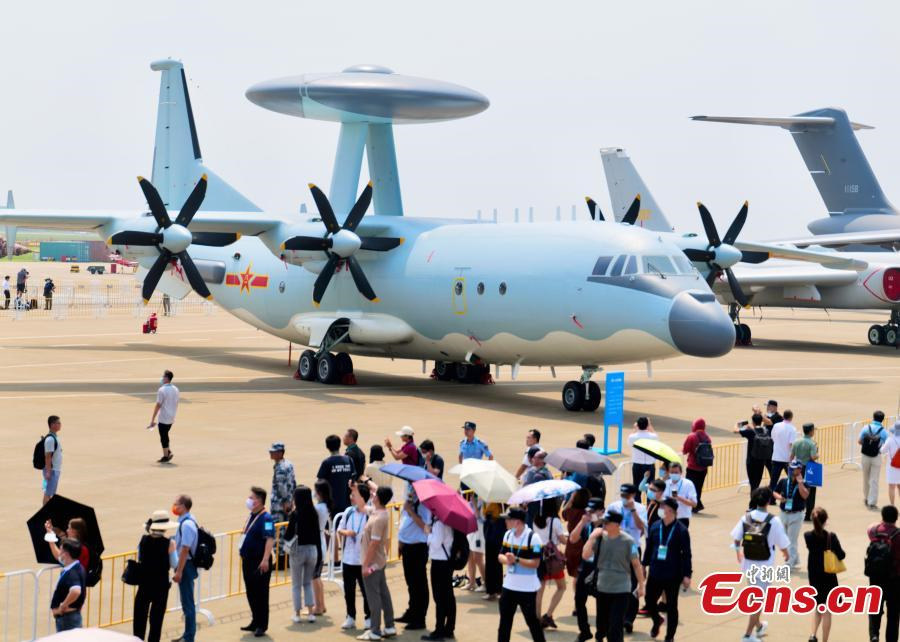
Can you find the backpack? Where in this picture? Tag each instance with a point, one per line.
(879, 564)
(459, 551)
(871, 442)
(704, 454)
(94, 569)
(762, 446)
(39, 458)
(204, 556)
(756, 538)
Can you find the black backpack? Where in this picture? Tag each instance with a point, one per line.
(204, 556)
(762, 446)
(39, 458)
(756, 538)
(94, 569)
(459, 551)
(871, 442)
(704, 454)
(879, 563)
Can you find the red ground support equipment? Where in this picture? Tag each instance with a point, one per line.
(151, 324)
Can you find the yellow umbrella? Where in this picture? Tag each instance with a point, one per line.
(656, 448)
(487, 478)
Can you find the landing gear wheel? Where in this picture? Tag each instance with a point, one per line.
(327, 370)
(344, 363)
(890, 335)
(876, 335)
(443, 370)
(573, 396)
(738, 334)
(592, 399)
(306, 368)
(745, 333)
(465, 372)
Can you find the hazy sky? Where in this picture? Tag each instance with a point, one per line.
(564, 79)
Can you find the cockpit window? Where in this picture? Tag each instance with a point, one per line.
(631, 266)
(618, 265)
(681, 262)
(601, 265)
(659, 265)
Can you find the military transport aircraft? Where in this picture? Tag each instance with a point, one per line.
(462, 294)
(814, 277)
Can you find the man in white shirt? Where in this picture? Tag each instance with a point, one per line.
(683, 491)
(164, 410)
(6, 294)
(532, 438)
(440, 541)
(776, 537)
(641, 463)
(783, 435)
(52, 458)
(521, 555)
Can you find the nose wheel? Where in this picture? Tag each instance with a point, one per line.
(742, 333)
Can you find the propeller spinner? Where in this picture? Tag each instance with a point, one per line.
(340, 243)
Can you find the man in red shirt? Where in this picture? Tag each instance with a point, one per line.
(696, 470)
(408, 453)
(889, 577)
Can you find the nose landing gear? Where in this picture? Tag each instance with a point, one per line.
(584, 394)
(742, 334)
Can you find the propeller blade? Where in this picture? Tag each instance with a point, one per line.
(214, 239)
(306, 243)
(736, 225)
(359, 208)
(754, 257)
(711, 276)
(193, 202)
(324, 278)
(154, 274)
(193, 275)
(359, 277)
(380, 243)
(699, 255)
(712, 234)
(325, 211)
(633, 211)
(142, 239)
(595, 212)
(736, 290)
(157, 209)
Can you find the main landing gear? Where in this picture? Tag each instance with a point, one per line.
(584, 394)
(888, 334)
(324, 365)
(742, 334)
(462, 372)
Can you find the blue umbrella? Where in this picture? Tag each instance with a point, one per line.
(407, 472)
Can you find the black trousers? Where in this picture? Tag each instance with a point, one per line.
(611, 609)
(777, 467)
(6, 296)
(415, 560)
(150, 600)
(698, 477)
(257, 585)
(810, 503)
(164, 434)
(581, 597)
(352, 576)
(525, 600)
(637, 473)
(890, 601)
(493, 569)
(755, 470)
(656, 588)
(444, 600)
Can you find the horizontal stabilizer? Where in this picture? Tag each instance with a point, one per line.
(786, 122)
(877, 237)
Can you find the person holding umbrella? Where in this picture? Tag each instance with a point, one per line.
(521, 555)
(412, 538)
(69, 594)
(642, 464)
(153, 554)
(77, 530)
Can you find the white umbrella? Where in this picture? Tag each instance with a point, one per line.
(543, 490)
(487, 478)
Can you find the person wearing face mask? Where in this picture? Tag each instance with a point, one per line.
(579, 534)
(164, 410)
(682, 490)
(69, 593)
(771, 416)
(256, 544)
(793, 494)
(186, 538)
(668, 556)
(655, 493)
(634, 522)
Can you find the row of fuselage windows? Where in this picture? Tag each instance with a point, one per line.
(627, 264)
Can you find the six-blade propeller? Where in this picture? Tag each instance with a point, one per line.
(720, 254)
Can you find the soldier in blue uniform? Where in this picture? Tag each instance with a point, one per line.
(471, 447)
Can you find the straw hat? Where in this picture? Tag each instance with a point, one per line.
(159, 522)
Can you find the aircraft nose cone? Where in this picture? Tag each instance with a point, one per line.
(699, 326)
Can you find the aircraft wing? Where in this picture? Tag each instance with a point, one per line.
(874, 237)
(85, 221)
(827, 259)
(789, 275)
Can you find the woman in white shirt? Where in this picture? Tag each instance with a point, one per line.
(549, 528)
(641, 463)
(440, 542)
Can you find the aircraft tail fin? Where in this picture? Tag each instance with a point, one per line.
(833, 156)
(624, 183)
(177, 162)
(10, 201)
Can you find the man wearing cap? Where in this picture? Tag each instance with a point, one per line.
(634, 522)
(408, 453)
(793, 496)
(471, 447)
(283, 485)
(617, 558)
(668, 556)
(590, 521)
(806, 450)
(771, 416)
(521, 555)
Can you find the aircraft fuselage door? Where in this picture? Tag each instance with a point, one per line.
(458, 293)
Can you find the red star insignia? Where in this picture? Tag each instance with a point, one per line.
(246, 277)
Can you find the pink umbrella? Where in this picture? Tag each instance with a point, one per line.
(446, 504)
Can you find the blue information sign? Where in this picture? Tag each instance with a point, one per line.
(613, 411)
